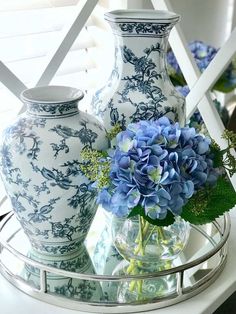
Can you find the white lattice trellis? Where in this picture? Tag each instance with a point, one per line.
(199, 84)
(199, 96)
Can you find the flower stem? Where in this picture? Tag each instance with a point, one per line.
(141, 223)
(142, 239)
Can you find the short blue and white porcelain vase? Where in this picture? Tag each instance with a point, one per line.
(139, 87)
(40, 166)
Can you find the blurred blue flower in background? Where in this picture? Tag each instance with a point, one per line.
(183, 90)
(203, 55)
(196, 120)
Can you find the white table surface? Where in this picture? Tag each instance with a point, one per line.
(13, 301)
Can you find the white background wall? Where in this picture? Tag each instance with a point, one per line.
(206, 20)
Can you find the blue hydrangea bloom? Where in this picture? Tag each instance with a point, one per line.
(202, 53)
(183, 90)
(157, 165)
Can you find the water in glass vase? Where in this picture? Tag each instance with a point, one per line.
(147, 249)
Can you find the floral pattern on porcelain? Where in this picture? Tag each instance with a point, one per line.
(40, 167)
(146, 28)
(139, 87)
(62, 285)
(53, 109)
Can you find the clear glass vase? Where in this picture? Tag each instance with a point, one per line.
(147, 249)
(135, 238)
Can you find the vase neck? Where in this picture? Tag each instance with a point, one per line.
(141, 38)
(52, 110)
(157, 29)
(52, 101)
(148, 23)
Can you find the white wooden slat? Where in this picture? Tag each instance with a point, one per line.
(5, 206)
(35, 4)
(26, 47)
(69, 37)
(97, 18)
(83, 80)
(183, 55)
(15, 85)
(212, 73)
(77, 61)
(30, 69)
(230, 17)
(180, 47)
(78, 70)
(8, 102)
(58, 57)
(191, 73)
(2, 200)
(42, 20)
(10, 105)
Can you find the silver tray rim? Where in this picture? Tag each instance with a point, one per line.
(115, 307)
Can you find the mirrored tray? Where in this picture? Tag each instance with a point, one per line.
(92, 279)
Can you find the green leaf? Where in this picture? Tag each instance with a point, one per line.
(209, 203)
(138, 210)
(224, 85)
(218, 156)
(104, 154)
(177, 80)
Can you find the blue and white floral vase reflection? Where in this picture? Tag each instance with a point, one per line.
(72, 288)
(139, 87)
(42, 170)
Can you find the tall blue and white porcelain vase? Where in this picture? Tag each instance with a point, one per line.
(41, 168)
(139, 87)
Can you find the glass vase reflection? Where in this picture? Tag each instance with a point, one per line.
(144, 289)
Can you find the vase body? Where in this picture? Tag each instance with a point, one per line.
(137, 239)
(148, 249)
(139, 87)
(40, 167)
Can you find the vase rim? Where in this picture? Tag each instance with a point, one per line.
(144, 15)
(52, 94)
